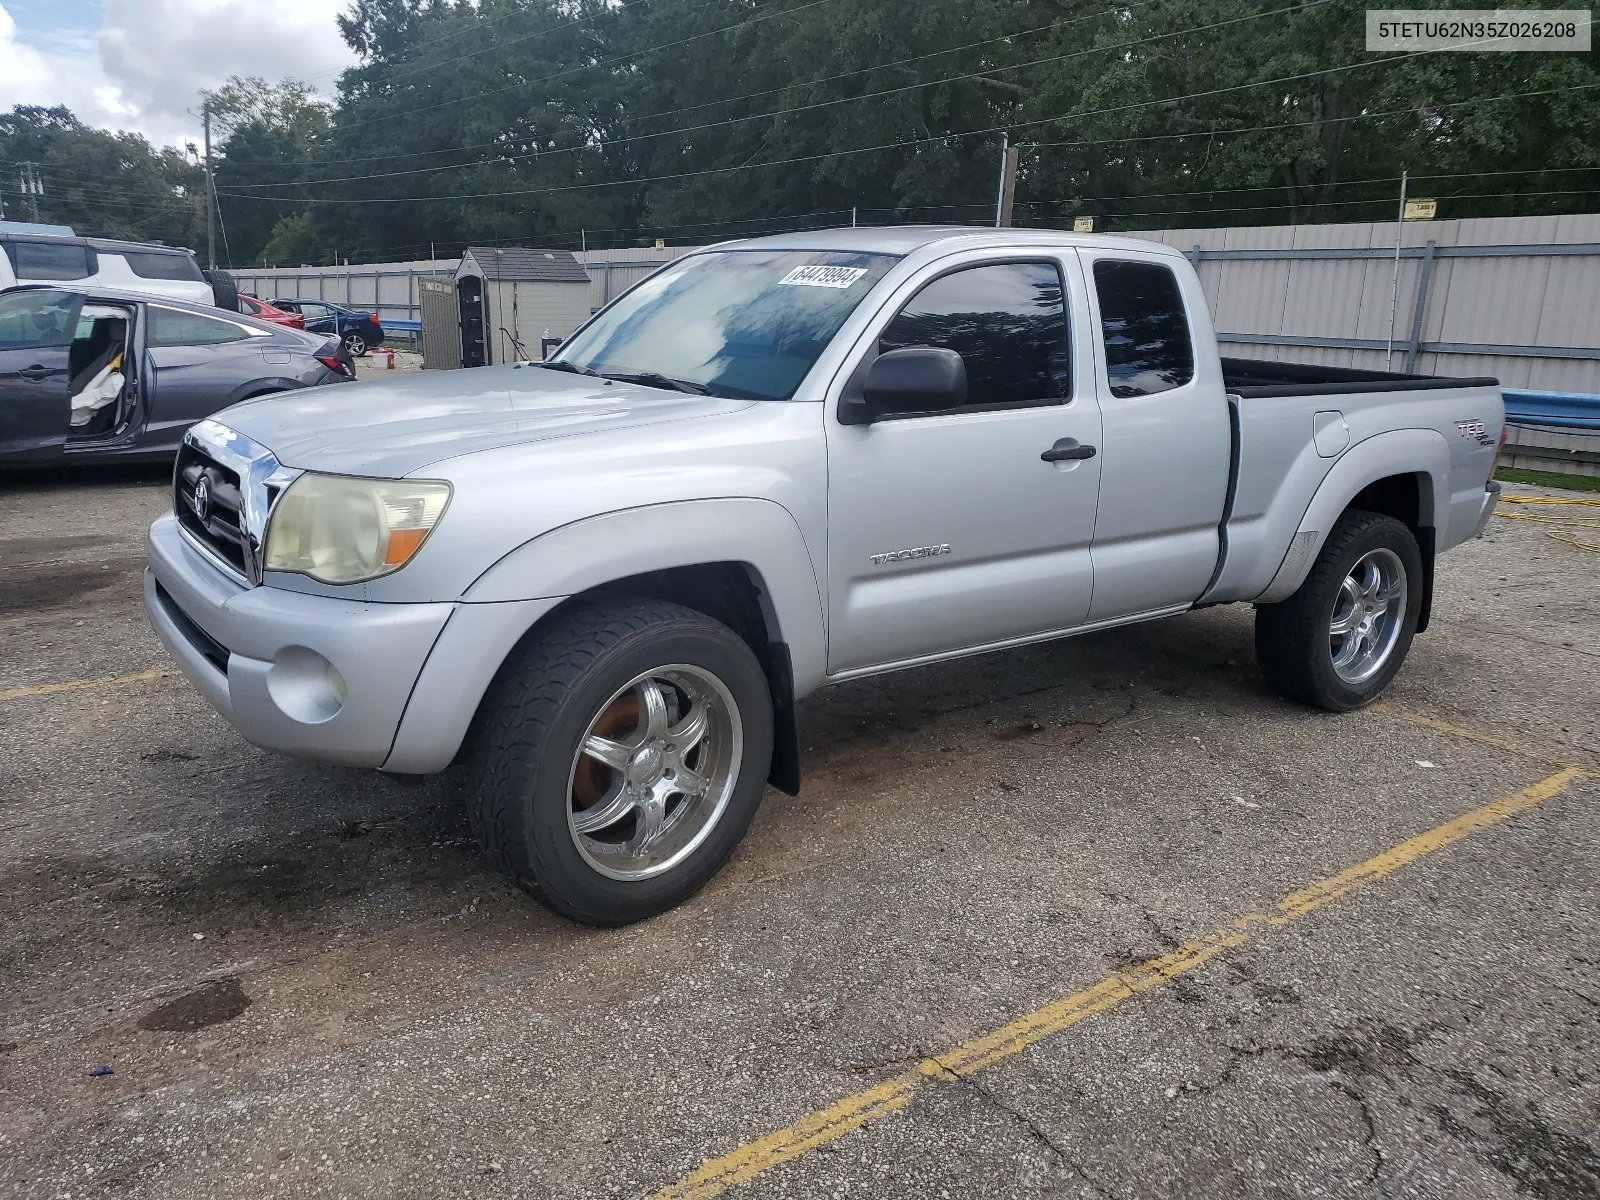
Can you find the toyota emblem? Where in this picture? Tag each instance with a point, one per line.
(202, 499)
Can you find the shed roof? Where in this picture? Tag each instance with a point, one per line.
(520, 264)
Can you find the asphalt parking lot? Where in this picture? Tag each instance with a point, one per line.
(1100, 918)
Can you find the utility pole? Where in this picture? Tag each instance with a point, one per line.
(211, 193)
(1008, 182)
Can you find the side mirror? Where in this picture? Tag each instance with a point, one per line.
(918, 379)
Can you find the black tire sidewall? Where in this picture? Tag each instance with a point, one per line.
(564, 876)
(1382, 533)
(224, 290)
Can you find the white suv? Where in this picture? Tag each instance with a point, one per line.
(127, 266)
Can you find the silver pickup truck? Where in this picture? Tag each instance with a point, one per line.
(601, 582)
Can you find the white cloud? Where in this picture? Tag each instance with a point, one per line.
(144, 67)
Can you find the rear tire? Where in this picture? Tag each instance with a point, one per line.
(356, 344)
(224, 290)
(1331, 644)
(539, 796)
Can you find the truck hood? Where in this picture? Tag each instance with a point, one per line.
(393, 428)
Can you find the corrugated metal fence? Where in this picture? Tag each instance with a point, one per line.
(1517, 298)
(390, 289)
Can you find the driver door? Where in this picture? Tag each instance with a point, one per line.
(947, 531)
(36, 331)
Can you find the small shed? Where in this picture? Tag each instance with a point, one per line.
(518, 303)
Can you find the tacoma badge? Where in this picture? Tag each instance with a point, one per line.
(915, 552)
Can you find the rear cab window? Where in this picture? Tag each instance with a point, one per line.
(1145, 327)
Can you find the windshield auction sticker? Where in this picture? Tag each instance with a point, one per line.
(1478, 30)
(821, 276)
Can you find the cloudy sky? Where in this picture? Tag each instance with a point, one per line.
(140, 64)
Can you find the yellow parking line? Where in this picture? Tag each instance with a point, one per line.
(78, 685)
(1471, 735)
(716, 1175)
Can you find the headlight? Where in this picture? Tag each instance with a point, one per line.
(344, 530)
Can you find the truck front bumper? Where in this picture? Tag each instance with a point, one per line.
(313, 676)
(333, 680)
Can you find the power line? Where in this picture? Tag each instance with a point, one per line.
(1387, 201)
(878, 95)
(901, 145)
(1392, 112)
(801, 84)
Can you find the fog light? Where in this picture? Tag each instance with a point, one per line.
(305, 686)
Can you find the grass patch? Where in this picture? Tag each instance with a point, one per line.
(1552, 479)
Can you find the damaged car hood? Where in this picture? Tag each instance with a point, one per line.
(396, 427)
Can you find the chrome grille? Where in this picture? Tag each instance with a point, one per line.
(223, 488)
(205, 495)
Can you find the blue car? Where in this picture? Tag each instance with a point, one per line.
(359, 331)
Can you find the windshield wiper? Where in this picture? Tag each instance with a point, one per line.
(570, 368)
(656, 379)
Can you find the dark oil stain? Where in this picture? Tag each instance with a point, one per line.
(1518, 1143)
(20, 551)
(348, 830)
(1364, 1049)
(167, 756)
(209, 1005)
(62, 585)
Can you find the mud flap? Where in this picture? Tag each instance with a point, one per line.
(784, 773)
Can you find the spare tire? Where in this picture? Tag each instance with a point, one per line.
(224, 290)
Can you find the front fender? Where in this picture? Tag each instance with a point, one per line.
(1399, 452)
(596, 550)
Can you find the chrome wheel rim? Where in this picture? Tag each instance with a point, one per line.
(356, 344)
(1367, 615)
(654, 771)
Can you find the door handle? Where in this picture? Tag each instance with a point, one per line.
(1067, 448)
(36, 373)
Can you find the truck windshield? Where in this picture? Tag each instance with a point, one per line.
(741, 323)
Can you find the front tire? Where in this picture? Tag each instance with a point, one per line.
(619, 758)
(1343, 635)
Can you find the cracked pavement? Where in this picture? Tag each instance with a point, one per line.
(305, 982)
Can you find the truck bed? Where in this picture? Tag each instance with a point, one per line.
(1253, 377)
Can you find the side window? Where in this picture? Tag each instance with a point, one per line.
(50, 260)
(35, 318)
(155, 264)
(169, 327)
(1009, 324)
(1145, 326)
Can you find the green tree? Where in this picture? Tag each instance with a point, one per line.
(102, 184)
(270, 135)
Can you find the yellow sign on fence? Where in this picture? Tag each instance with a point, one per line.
(1082, 224)
(1421, 210)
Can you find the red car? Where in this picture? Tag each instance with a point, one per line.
(262, 311)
